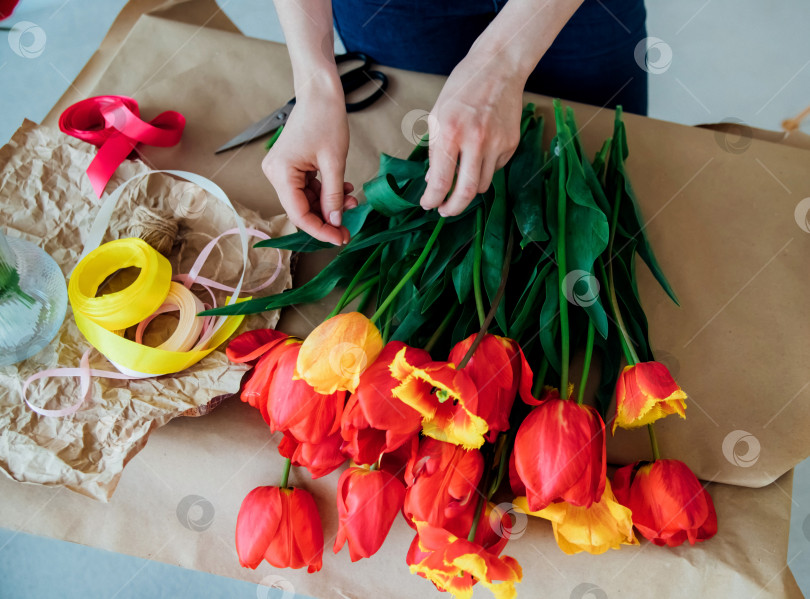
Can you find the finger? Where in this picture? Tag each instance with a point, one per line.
(488, 169)
(350, 202)
(440, 176)
(332, 173)
(466, 187)
(348, 187)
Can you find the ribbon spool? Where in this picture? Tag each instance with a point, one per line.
(102, 320)
(114, 124)
(154, 291)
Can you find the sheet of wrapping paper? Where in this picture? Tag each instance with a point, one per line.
(45, 197)
(718, 220)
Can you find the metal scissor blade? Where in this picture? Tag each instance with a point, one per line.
(260, 128)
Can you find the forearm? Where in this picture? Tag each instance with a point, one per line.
(522, 32)
(307, 28)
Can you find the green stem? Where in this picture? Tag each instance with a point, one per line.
(476, 518)
(286, 474)
(586, 366)
(562, 271)
(503, 444)
(412, 271)
(361, 288)
(434, 338)
(627, 342)
(478, 250)
(654, 442)
(540, 378)
(495, 301)
(625, 348)
(366, 265)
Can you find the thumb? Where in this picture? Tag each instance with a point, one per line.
(332, 192)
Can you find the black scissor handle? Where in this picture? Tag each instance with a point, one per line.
(358, 77)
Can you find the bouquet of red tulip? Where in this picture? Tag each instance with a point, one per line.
(551, 246)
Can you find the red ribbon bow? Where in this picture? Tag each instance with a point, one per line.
(114, 124)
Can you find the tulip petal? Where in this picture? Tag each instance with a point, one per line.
(251, 345)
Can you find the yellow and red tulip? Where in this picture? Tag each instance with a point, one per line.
(646, 392)
(605, 525)
(446, 398)
(337, 352)
(281, 526)
(560, 454)
(455, 564)
(367, 503)
(668, 502)
(499, 370)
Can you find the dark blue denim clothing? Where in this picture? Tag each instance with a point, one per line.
(591, 61)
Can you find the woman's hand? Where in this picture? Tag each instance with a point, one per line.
(314, 140)
(474, 124)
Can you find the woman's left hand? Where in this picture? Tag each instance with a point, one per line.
(474, 128)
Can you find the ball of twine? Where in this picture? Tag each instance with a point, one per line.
(157, 229)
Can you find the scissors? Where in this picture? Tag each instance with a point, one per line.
(351, 80)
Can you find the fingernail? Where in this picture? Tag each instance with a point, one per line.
(442, 212)
(427, 175)
(334, 218)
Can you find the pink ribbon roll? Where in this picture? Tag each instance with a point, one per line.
(114, 125)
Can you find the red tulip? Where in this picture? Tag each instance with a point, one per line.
(668, 502)
(7, 7)
(365, 443)
(251, 345)
(499, 370)
(442, 483)
(319, 458)
(560, 454)
(282, 526)
(367, 503)
(294, 406)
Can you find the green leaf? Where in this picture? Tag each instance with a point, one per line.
(452, 239)
(526, 184)
(402, 170)
(611, 351)
(549, 321)
(395, 232)
(463, 276)
(528, 302)
(300, 241)
(384, 195)
(466, 324)
(586, 226)
(340, 270)
(617, 181)
(633, 314)
(434, 292)
(495, 233)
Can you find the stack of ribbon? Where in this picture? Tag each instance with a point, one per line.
(104, 318)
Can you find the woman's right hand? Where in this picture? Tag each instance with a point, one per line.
(314, 141)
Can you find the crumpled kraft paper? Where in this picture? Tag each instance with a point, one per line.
(45, 197)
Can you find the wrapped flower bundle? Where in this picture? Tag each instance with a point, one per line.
(458, 385)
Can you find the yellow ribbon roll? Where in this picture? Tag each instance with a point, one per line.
(101, 319)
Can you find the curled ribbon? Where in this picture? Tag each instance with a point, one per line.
(102, 320)
(114, 125)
